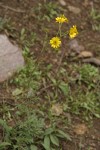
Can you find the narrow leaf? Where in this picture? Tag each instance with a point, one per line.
(65, 135)
(46, 143)
(3, 145)
(49, 131)
(17, 92)
(54, 140)
(33, 147)
(5, 126)
(46, 148)
(64, 88)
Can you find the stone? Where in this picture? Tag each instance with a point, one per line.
(11, 59)
(85, 54)
(62, 2)
(75, 46)
(74, 10)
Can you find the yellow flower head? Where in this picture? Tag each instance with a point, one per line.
(61, 19)
(55, 42)
(73, 32)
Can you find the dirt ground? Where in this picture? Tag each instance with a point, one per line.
(22, 15)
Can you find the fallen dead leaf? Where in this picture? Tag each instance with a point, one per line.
(80, 129)
(85, 54)
(56, 109)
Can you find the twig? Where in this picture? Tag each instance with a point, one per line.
(6, 102)
(60, 61)
(92, 60)
(44, 89)
(12, 9)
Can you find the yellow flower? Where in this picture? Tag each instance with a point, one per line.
(55, 42)
(61, 19)
(73, 32)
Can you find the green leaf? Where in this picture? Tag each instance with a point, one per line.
(15, 146)
(5, 126)
(49, 131)
(64, 88)
(97, 115)
(46, 143)
(53, 80)
(17, 92)
(3, 145)
(22, 31)
(65, 135)
(54, 140)
(46, 148)
(33, 147)
(59, 135)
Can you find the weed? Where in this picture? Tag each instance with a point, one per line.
(2, 23)
(89, 74)
(29, 77)
(95, 15)
(6, 24)
(51, 137)
(27, 42)
(24, 134)
(46, 11)
(30, 133)
(59, 86)
(55, 42)
(26, 52)
(87, 104)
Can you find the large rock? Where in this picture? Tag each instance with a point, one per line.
(11, 58)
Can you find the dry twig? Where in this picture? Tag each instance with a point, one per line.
(12, 9)
(92, 60)
(44, 89)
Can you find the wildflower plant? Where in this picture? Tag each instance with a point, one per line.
(55, 42)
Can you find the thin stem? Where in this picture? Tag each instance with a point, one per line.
(60, 34)
(60, 61)
(45, 41)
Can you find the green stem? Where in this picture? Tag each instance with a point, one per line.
(45, 41)
(60, 34)
(59, 31)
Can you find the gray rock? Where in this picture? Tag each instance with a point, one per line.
(11, 58)
(74, 10)
(62, 2)
(75, 46)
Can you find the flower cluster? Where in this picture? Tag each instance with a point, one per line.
(55, 42)
(61, 19)
(73, 32)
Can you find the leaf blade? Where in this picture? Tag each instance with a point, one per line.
(54, 140)
(65, 135)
